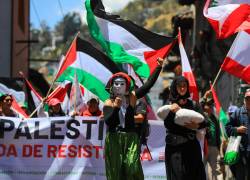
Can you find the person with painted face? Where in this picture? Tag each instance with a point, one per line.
(238, 125)
(122, 144)
(183, 157)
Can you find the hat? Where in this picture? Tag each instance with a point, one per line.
(247, 94)
(231, 108)
(54, 101)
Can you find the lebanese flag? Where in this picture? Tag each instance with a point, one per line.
(237, 61)
(221, 115)
(228, 16)
(93, 68)
(125, 42)
(187, 71)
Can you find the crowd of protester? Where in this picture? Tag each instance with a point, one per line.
(124, 114)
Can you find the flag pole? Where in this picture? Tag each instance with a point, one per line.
(54, 80)
(216, 78)
(75, 92)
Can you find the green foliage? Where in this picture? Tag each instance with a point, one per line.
(68, 26)
(154, 15)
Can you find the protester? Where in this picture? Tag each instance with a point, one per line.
(213, 160)
(164, 95)
(141, 123)
(92, 108)
(171, 66)
(1, 110)
(231, 109)
(228, 172)
(55, 108)
(6, 103)
(183, 157)
(238, 125)
(122, 154)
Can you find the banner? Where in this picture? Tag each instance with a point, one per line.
(67, 148)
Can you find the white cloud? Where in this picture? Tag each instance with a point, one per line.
(115, 5)
(110, 6)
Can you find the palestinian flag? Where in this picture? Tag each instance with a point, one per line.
(60, 93)
(221, 115)
(37, 98)
(92, 67)
(228, 16)
(125, 42)
(237, 61)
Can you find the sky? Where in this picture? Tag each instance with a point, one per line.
(52, 11)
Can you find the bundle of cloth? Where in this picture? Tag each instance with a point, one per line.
(182, 117)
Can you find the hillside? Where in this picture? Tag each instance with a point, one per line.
(153, 15)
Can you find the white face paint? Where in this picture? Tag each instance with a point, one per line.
(119, 87)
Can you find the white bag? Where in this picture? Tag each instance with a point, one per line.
(232, 153)
(182, 116)
(163, 111)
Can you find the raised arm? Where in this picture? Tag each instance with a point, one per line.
(143, 90)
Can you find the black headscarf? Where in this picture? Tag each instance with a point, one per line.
(174, 96)
(4, 96)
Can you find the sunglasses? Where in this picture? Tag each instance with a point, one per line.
(8, 100)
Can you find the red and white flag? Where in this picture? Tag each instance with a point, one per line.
(77, 103)
(187, 71)
(237, 61)
(228, 16)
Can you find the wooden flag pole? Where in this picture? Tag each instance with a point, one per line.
(75, 92)
(216, 78)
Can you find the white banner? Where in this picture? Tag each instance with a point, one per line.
(67, 148)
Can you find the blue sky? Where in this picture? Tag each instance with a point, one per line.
(50, 11)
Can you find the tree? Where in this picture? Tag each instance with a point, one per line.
(68, 26)
(43, 36)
